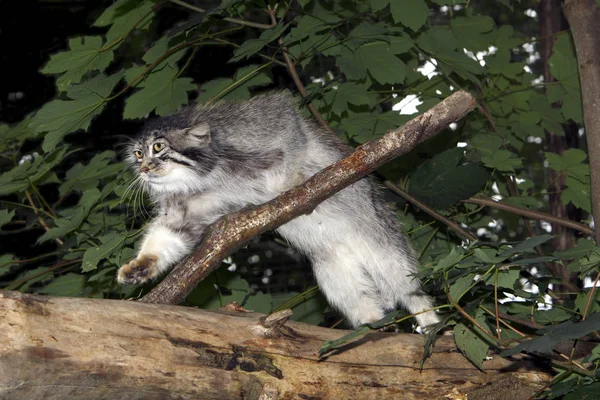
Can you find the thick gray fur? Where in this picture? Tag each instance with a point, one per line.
(219, 158)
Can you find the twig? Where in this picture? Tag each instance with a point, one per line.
(518, 320)
(417, 203)
(496, 308)
(16, 284)
(482, 328)
(590, 297)
(232, 20)
(294, 75)
(40, 219)
(530, 214)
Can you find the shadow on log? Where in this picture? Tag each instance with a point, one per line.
(67, 348)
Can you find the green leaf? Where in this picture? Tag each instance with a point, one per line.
(449, 260)
(459, 288)
(437, 39)
(85, 54)
(502, 160)
(449, 2)
(366, 32)
(334, 344)
(583, 248)
(22, 176)
(578, 193)
(363, 127)
(582, 301)
(441, 182)
(563, 64)
(158, 50)
(161, 92)
(378, 5)
(114, 11)
(60, 117)
(350, 65)
(24, 281)
(469, 31)
(253, 46)
(17, 133)
(556, 334)
(569, 159)
(441, 44)
(124, 16)
(470, 343)
(6, 261)
(348, 93)
(309, 25)
(506, 278)
(584, 392)
(237, 88)
(82, 178)
(381, 62)
(552, 316)
(527, 246)
(410, 13)
(6, 216)
(72, 218)
(70, 284)
(488, 256)
(110, 243)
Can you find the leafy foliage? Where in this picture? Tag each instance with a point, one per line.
(357, 61)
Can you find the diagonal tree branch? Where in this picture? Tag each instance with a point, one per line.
(230, 232)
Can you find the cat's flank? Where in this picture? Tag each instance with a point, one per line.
(207, 161)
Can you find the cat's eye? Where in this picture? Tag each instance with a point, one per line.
(139, 154)
(158, 147)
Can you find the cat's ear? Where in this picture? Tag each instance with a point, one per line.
(200, 132)
(197, 135)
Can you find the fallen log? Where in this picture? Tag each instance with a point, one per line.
(72, 348)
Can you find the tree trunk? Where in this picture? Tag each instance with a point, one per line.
(583, 16)
(65, 348)
(551, 23)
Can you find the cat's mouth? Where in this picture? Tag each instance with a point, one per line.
(154, 176)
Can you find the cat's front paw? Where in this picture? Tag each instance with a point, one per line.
(138, 270)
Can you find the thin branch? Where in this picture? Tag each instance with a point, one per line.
(230, 232)
(232, 20)
(294, 75)
(430, 211)
(530, 214)
(266, 57)
(590, 297)
(40, 219)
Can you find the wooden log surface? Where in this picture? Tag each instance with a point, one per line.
(72, 348)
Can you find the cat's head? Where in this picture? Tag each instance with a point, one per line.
(171, 157)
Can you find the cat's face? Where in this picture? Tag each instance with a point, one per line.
(170, 160)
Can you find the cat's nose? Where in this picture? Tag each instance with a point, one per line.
(144, 170)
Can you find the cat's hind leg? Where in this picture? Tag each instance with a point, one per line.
(347, 286)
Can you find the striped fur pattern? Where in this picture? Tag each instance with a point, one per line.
(206, 161)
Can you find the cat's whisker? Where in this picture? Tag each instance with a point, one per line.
(128, 194)
(142, 200)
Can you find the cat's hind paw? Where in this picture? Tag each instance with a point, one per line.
(139, 270)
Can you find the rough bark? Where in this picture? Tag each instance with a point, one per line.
(63, 348)
(552, 22)
(583, 17)
(224, 236)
